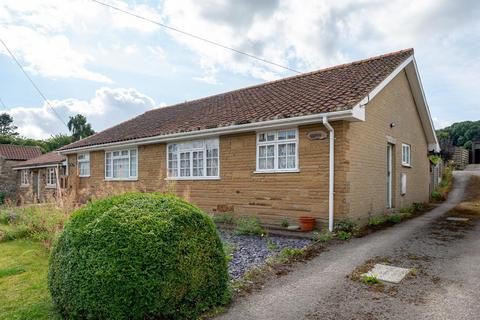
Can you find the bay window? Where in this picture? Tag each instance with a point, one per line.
(277, 151)
(121, 164)
(24, 178)
(83, 160)
(198, 159)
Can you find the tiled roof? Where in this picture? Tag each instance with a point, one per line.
(332, 89)
(20, 153)
(43, 160)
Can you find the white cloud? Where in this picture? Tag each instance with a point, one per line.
(108, 107)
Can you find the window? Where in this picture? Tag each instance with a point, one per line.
(121, 164)
(51, 177)
(24, 177)
(277, 151)
(406, 160)
(197, 159)
(83, 160)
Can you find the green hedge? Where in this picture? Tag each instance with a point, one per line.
(138, 256)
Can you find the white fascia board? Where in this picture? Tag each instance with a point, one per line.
(355, 114)
(37, 167)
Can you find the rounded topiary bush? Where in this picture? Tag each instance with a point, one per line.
(138, 256)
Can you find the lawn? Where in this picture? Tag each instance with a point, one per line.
(23, 281)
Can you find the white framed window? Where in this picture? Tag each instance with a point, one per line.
(121, 164)
(83, 163)
(51, 177)
(406, 155)
(24, 178)
(197, 159)
(277, 151)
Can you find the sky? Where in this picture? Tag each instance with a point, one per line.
(110, 67)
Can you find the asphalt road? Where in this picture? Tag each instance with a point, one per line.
(447, 284)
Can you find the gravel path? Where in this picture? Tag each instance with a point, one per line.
(251, 251)
(446, 287)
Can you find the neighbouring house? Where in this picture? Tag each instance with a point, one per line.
(42, 178)
(475, 153)
(347, 141)
(11, 155)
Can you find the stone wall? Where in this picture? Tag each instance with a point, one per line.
(8, 177)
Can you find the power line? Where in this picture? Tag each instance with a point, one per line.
(3, 104)
(195, 36)
(33, 83)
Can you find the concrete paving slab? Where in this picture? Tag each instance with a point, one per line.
(388, 273)
(457, 219)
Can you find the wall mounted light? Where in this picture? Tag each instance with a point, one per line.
(392, 125)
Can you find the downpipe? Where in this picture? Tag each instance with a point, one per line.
(330, 173)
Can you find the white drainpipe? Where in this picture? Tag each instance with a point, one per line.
(331, 171)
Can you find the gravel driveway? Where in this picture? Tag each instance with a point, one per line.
(446, 286)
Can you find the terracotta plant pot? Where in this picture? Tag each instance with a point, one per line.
(306, 223)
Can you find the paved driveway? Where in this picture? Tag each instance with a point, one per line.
(446, 287)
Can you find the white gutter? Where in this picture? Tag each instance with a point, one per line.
(330, 173)
(355, 114)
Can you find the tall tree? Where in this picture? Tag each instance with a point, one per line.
(6, 125)
(79, 127)
(57, 141)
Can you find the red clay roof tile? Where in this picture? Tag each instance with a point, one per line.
(19, 153)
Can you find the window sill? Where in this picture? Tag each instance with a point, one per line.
(24, 185)
(192, 178)
(84, 176)
(406, 165)
(121, 179)
(276, 171)
(51, 186)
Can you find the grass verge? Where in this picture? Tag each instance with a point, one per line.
(23, 281)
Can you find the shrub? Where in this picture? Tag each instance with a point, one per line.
(347, 225)
(138, 256)
(249, 225)
(13, 233)
(437, 196)
(285, 223)
(287, 254)
(344, 235)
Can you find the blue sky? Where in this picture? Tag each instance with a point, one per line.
(110, 67)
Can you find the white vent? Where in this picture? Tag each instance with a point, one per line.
(404, 184)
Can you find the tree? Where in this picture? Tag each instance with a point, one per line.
(79, 127)
(58, 141)
(6, 125)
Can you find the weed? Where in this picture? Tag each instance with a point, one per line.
(347, 225)
(322, 237)
(285, 223)
(248, 225)
(377, 220)
(413, 272)
(370, 280)
(271, 246)
(229, 248)
(344, 235)
(287, 254)
(394, 218)
(226, 218)
(406, 210)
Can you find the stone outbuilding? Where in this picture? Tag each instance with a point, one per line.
(11, 155)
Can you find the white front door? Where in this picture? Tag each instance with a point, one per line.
(389, 175)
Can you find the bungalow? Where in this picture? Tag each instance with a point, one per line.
(11, 155)
(346, 141)
(41, 178)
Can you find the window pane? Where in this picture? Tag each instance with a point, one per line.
(270, 163)
(262, 137)
(282, 135)
(197, 163)
(133, 163)
(282, 162)
(291, 134)
(120, 168)
(282, 150)
(185, 164)
(270, 151)
(262, 163)
(262, 151)
(271, 136)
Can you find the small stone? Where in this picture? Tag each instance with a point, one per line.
(293, 227)
(457, 219)
(387, 273)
